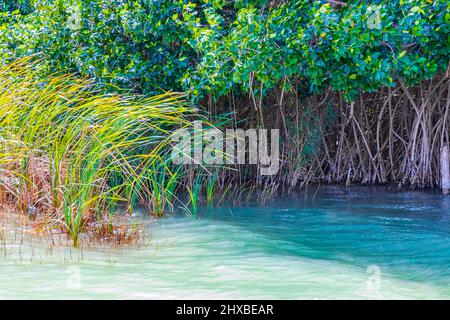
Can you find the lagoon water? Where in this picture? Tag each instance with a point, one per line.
(356, 243)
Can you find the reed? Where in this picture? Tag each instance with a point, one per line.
(69, 154)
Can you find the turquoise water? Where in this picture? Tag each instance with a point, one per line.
(357, 243)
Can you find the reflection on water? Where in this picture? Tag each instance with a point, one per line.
(342, 243)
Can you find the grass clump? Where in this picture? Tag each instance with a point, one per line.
(69, 154)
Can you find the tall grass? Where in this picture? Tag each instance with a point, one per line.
(69, 154)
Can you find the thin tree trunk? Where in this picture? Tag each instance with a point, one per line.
(445, 170)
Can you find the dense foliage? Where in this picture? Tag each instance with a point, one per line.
(22, 6)
(215, 46)
(120, 42)
(361, 45)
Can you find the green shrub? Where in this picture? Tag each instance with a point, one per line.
(131, 44)
(215, 47)
(23, 6)
(361, 46)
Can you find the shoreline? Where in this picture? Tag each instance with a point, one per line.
(30, 227)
